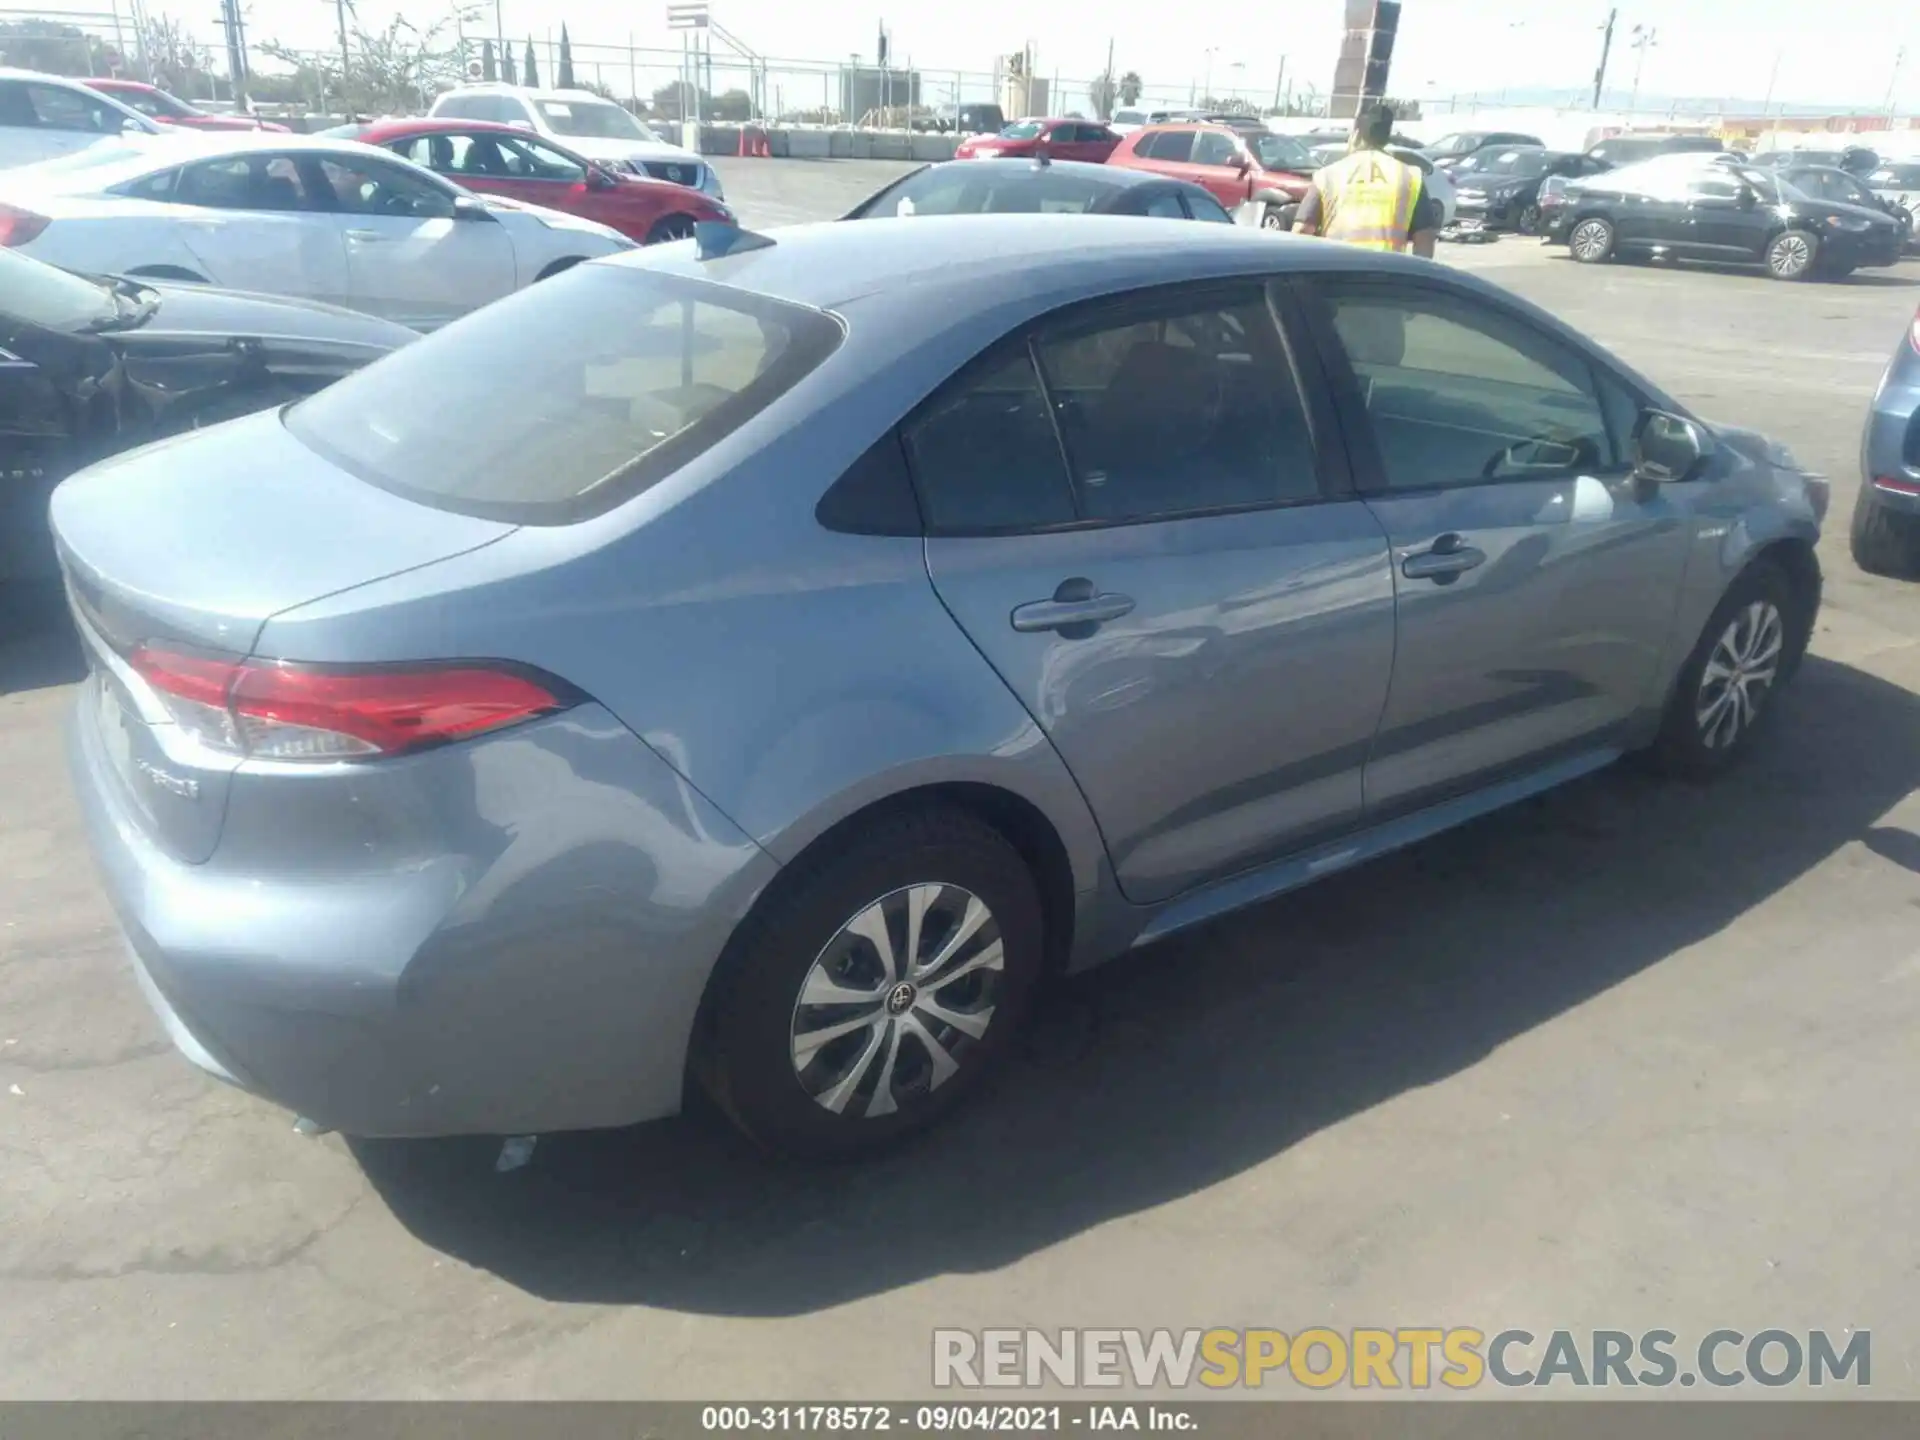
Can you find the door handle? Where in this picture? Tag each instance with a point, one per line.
(1076, 605)
(1443, 561)
(372, 237)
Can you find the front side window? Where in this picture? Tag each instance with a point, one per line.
(1459, 393)
(618, 376)
(1173, 408)
(1210, 147)
(57, 108)
(368, 188)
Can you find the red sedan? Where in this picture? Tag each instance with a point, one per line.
(1060, 139)
(157, 105)
(496, 159)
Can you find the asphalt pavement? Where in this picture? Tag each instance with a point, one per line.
(1634, 1055)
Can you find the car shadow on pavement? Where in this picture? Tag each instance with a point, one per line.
(38, 646)
(1183, 1065)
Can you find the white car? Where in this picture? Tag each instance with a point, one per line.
(327, 220)
(585, 123)
(44, 116)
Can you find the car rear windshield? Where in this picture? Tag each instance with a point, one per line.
(964, 189)
(566, 398)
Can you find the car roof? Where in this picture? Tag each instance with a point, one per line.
(1186, 125)
(501, 87)
(150, 153)
(965, 265)
(424, 124)
(115, 82)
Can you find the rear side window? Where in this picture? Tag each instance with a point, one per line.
(566, 398)
(1168, 145)
(1210, 147)
(1205, 207)
(985, 455)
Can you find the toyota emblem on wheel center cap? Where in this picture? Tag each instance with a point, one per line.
(900, 998)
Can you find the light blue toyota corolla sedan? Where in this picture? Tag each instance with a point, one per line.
(758, 661)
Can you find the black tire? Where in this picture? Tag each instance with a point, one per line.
(669, 228)
(1695, 741)
(1793, 255)
(1275, 218)
(1882, 541)
(1591, 240)
(800, 938)
(1529, 223)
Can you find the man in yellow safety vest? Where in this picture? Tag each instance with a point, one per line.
(1370, 198)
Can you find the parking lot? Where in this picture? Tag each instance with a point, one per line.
(1635, 1055)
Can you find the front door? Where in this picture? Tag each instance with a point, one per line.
(409, 256)
(1219, 164)
(1652, 211)
(1133, 522)
(1535, 593)
(1725, 219)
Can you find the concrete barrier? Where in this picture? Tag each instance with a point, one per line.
(933, 148)
(806, 144)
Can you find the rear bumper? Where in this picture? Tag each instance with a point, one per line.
(515, 940)
(1886, 452)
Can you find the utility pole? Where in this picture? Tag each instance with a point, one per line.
(1645, 37)
(346, 57)
(1111, 90)
(1773, 77)
(1279, 83)
(1606, 49)
(1893, 81)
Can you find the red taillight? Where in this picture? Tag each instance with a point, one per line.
(287, 712)
(1898, 487)
(18, 226)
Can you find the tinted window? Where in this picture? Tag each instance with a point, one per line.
(1280, 152)
(616, 378)
(1179, 409)
(1210, 147)
(498, 157)
(1165, 206)
(1521, 164)
(1460, 394)
(243, 182)
(1714, 187)
(1167, 145)
(967, 189)
(1205, 207)
(985, 455)
(1897, 177)
(57, 108)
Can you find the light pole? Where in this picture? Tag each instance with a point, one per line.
(1206, 85)
(1645, 37)
(1893, 81)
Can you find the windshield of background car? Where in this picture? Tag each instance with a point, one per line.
(48, 297)
(1280, 152)
(969, 190)
(594, 119)
(1770, 187)
(1516, 164)
(1022, 130)
(1456, 144)
(1896, 177)
(343, 132)
(565, 398)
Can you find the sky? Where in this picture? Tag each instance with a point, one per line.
(1834, 50)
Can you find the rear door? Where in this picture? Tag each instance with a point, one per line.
(1652, 210)
(254, 223)
(409, 258)
(1534, 592)
(1139, 515)
(1166, 152)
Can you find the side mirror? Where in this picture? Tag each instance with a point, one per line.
(598, 179)
(1242, 164)
(1667, 450)
(469, 207)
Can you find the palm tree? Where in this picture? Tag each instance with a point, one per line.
(1130, 87)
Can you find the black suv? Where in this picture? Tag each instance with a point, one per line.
(1731, 213)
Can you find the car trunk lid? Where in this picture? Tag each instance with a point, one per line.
(170, 550)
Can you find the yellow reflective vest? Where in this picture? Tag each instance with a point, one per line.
(1368, 199)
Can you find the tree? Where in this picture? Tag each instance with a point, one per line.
(506, 65)
(52, 47)
(489, 67)
(1102, 92)
(1130, 87)
(678, 100)
(731, 106)
(529, 70)
(564, 76)
(389, 71)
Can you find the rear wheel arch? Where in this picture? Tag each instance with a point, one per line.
(1014, 818)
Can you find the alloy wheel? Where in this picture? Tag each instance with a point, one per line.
(896, 998)
(674, 227)
(1790, 255)
(1589, 240)
(1270, 219)
(1739, 674)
